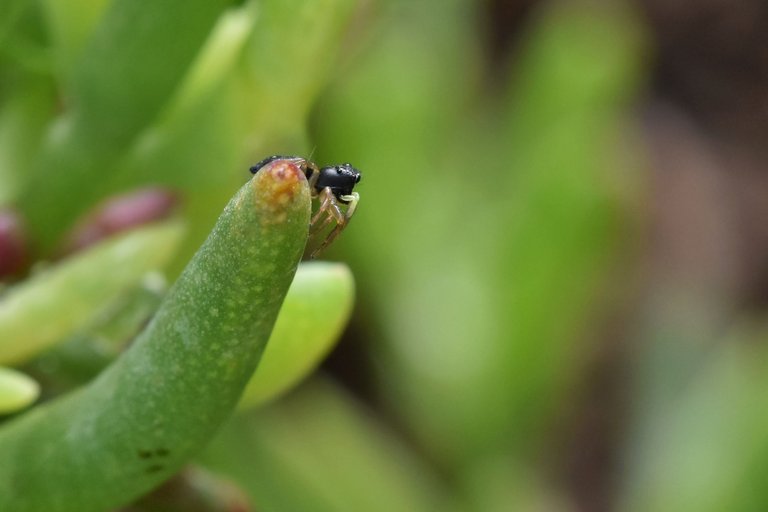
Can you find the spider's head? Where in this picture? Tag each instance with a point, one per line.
(341, 179)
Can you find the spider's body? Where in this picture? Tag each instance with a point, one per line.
(301, 162)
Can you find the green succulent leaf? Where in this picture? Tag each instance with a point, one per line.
(16, 390)
(162, 400)
(316, 309)
(47, 308)
(118, 86)
(320, 450)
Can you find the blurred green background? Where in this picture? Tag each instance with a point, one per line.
(561, 248)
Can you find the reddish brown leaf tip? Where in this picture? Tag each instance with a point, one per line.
(276, 187)
(121, 213)
(13, 244)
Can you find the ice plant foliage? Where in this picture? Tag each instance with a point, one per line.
(146, 414)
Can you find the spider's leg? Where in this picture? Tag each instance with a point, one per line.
(328, 207)
(352, 200)
(341, 221)
(313, 176)
(327, 201)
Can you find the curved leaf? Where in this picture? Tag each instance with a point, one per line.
(315, 311)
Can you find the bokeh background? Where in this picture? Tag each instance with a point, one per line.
(561, 248)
